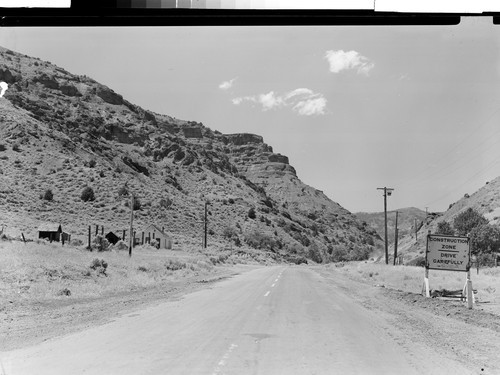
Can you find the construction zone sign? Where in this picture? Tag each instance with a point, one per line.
(449, 253)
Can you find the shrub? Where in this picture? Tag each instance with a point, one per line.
(64, 292)
(296, 259)
(359, 253)
(15, 147)
(418, 262)
(251, 213)
(48, 196)
(121, 245)
(76, 242)
(137, 204)
(2, 147)
(123, 191)
(100, 266)
(443, 227)
(339, 254)
(314, 253)
(174, 265)
(100, 243)
(259, 240)
(87, 194)
(468, 220)
(229, 232)
(91, 163)
(485, 239)
(165, 202)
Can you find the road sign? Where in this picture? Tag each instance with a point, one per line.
(450, 253)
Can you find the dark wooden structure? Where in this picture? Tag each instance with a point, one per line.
(51, 232)
(112, 238)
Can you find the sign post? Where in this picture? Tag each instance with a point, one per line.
(448, 253)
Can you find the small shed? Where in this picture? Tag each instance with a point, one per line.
(152, 232)
(50, 231)
(112, 238)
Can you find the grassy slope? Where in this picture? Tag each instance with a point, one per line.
(40, 271)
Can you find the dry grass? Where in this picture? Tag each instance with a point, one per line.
(39, 271)
(410, 279)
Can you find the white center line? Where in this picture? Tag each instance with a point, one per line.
(224, 359)
(265, 295)
(276, 280)
(272, 286)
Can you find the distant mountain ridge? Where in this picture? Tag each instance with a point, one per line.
(406, 221)
(63, 132)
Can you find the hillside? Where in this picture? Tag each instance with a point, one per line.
(486, 201)
(406, 221)
(64, 132)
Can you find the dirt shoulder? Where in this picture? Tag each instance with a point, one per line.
(446, 326)
(26, 323)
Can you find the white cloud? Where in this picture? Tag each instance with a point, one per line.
(298, 92)
(302, 101)
(226, 85)
(341, 60)
(310, 107)
(270, 100)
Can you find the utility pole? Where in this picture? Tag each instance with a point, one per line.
(131, 239)
(206, 220)
(396, 240)
(387, 191)
(416, 230)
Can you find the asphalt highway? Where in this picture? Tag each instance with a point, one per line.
(272, 320)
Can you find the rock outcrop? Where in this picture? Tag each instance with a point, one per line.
(69, 90)
(109, 96)
(243, 138)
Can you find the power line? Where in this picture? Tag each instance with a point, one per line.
(417, 177)
(493, 163)
(447, 170)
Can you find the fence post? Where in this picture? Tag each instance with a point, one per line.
(89, 247)
(469, 290)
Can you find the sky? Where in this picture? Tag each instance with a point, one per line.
(413, 108)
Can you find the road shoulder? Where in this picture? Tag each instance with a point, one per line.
(447, 327)
(31, 323)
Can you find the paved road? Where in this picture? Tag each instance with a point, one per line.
(275, 320)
